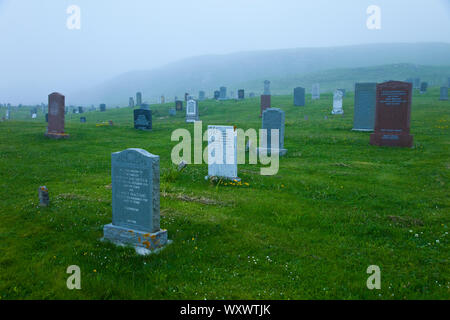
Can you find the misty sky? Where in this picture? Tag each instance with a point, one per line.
(40, 55)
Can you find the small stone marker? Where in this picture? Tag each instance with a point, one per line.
(393, 112)
(102, 107)
(131, 102)
(299, 97)
(34, 116)
(192, 111)
(266, 87)
(223, 93)
(265, 103)
(138, 99)
(135, 201)
(142, 119)
(365, 102)
(444, 94)
(83, 119)
(273, 119)
(241, 94)
(44, 199)
(315, 92)
(179, 105)
(423, 87)
(337, 103)
(222, 152)
(56, 106)
(172, 112)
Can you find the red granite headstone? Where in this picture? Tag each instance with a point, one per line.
(56, 114)
(393, 115)
(265, 102)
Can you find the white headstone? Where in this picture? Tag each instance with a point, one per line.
(337, 102)
(191, 111)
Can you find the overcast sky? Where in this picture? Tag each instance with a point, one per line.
(39, 54)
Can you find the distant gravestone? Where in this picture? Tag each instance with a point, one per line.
(192, 111)
(393, 114)
(216, 94)
(337, 103)
(179, 105)
(46, 117)
(273, 119)
(241, 94)
(223, 93)
(266, 101)
(131, 102)
(222, 152)
(163, 100)
(80, 110)
(266, 87)
(315, 93)
(34, 116)
(102, 107)
(83, 119)
(138, 99)
(201, 95)
(444, 94)
(56, 106)
(135, 177)
(142, 119)
(416, 83)
(186, 97)
(172, 112)
(299, 97)
(343, 92)
(7, 115)
(251, 95)
(423, 87)
(365, 102)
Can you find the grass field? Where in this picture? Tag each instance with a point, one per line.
(336, 206)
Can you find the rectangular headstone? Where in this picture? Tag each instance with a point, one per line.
(273, 119)
(201, 95)
(192, 111)
(80, 110)
(266, 101)
(102, 107)
(142, 119)
(135, 200)
(337, 102)
(216, 94)
(172, 112)
(223, 93)
(222, 152)
(56, 118)
(423, 87)
(138, 99)
(299, 97)
(241, 94)
(393, 114)
(416, 83)
(365, 102)
(82, 119)
(315, 93)
(179, 105)
(444, 94)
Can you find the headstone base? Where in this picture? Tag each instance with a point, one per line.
(337, 112)
(362, 130)
(57, 135)
(139, 239)
(391, 140)
(269, 151)
(236, 179)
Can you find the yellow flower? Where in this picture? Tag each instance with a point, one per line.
(95, 270)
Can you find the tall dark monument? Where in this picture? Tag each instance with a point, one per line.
(266, 101)
(56, 116)
(393, 115)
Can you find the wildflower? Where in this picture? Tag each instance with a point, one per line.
(95, 270)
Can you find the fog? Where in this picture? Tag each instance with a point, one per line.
(40, 55)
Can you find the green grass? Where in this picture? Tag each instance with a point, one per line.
(336, 206)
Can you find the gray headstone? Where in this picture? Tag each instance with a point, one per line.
(416, 83)
(223, 93)
(266, 87)
(131, 102)
(216, 95)
(102, 107)
(241, 94)
(299, 97)
(444, 93)
(315, 93)
(423, 87)
(142, 119)
(135, 201)
(172, 112)
(138, 99)
(273, 118)
(192, 111)
(201, 95)
(365, 102)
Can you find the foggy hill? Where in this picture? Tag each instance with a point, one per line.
(283, 67)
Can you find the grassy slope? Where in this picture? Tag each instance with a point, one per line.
(312, 238)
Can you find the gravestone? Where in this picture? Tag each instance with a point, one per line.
(223, 93)
(392, 117)
(186, 97)
(172, 112)
(417, 83)
(365, 102)
(266, 87)
(56, 106)
(315, 93)
(7, 115)
(142, 119)
(192, 111)
(34, 116)
(251, 95)
(46, 117)
(201, 95)
(163, 100)
(83, 119)
(299, 97)
(266, 101)
(131, 102)
(216, 94)
(102, 107)
(423, 87)
(222, 152)
(444, 94)
(273, 119)
(337, 103)
(241, 94)
(135, 201)
(179, 105)
(138, 99)
(343, 92)
(80, 110)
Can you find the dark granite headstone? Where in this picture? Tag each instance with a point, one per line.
(423, 87)
(179, 105)
(135, 201)
(393, 114)
(80, 110)
(365, 101)
(444, 94)
(216, 94)
(274, 118)
(142, 119)
(265, 103)
(241, 94)
(56, 116)
(299, 97)
(102, 107)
